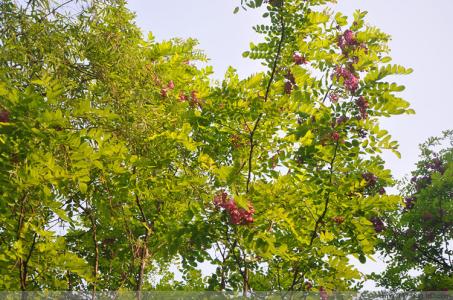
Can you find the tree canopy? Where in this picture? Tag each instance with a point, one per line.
(419, 236)
(121, 158)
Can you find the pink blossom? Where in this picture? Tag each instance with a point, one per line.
(362, 104)
(334, 97)
(299, 59)
(182, 97)
(288, 87)
(4, 116)
(335, 136)
(342, 43)
(351, 82)
(238, 216)
(349, 37)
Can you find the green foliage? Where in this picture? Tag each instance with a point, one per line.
(120, 159)
(96, 160)
(420, 233)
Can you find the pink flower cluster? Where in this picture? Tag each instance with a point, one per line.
(436, 166)
(409, 202)
(299, 59)
(378, 224)
(4, 116)
(288, 87)
(351, 81)
(349, 37)
(290, 82)
(340, 120)
(362, 104)
(335, 136)
(195, 101)
(346, 39)
(347, 43)
(164, 91)
(193, 98)
(370, 179)
(238, 216)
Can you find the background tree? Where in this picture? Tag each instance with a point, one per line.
(419, 236)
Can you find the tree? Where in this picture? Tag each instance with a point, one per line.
(95, 143)
(299, 146)
(419, 236)
(120, 158)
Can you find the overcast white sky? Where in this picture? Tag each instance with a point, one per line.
(422, 34)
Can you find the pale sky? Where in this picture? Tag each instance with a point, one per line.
(422, 34)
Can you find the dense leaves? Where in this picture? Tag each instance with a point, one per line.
(96, 161)
(120, 160)
(418, 241)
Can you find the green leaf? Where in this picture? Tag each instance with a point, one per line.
(83, 187)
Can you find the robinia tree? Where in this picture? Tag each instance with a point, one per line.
(120, 159)
(419, 236)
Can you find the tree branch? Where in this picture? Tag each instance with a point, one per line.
(326, 203)
(144, 250)
(58, 7)
(20, 224)
(96, 251)
(32, 247)
(444, 231)
(327, 93)
(266, 97)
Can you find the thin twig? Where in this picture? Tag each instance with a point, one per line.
(327, 93)
(57, 8)
(326, 203)
(266, 97)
